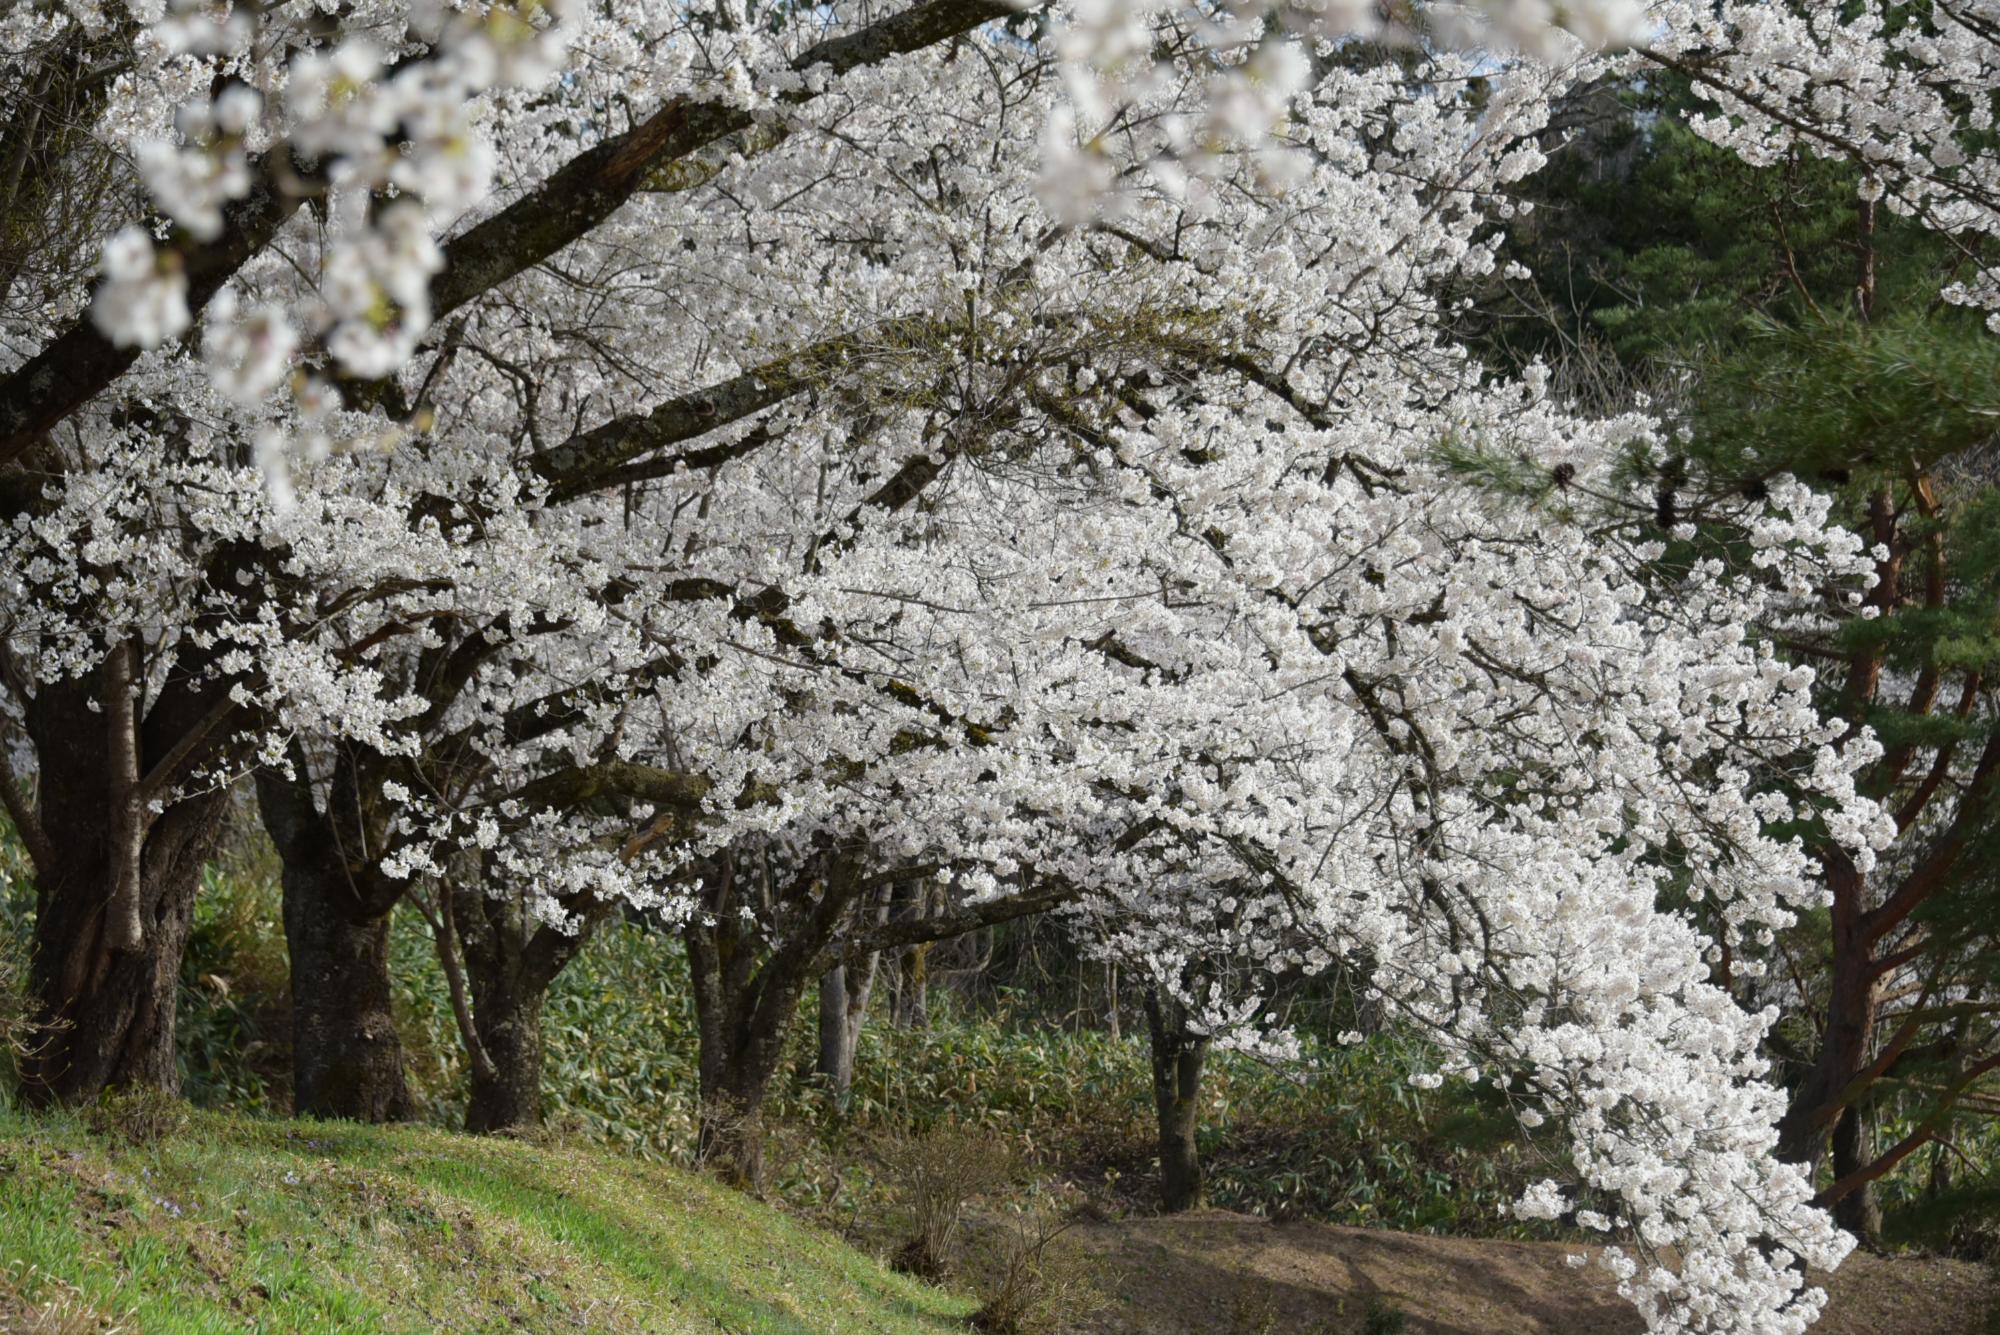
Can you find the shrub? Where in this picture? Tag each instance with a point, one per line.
(234, 1005)
(18, 1031)
(17, 920)
(1342, 1137)
(935, 1177)
(1034, 1291)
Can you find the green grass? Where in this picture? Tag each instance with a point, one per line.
(237, 1223)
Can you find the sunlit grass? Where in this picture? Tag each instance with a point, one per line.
(241, 1223)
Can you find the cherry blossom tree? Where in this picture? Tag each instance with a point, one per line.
(309, 163)
(916, 395)
(1209, 964)
(717, 463)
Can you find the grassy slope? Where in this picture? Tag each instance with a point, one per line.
(235, 1223)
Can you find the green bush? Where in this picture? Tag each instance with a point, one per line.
(1345, 1137)
(232, 1020)
(621, 1045)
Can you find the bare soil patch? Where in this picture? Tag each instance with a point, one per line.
(1217, 1273)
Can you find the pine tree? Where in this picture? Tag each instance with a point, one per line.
(1787, 325)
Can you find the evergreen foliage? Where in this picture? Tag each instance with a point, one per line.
(1786, 327)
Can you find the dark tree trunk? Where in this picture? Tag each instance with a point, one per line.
(511, 961)
(746, 993)
(743, 1018)
(106, 1014)
(747, 981)
(737, 1080)
(1829, 1108)
(347, 1060)
(507, 1091)
(1177, 1061)
(1859, 1212)
(1816, 1107)
(731, 1135)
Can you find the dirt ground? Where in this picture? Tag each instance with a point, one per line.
(1217, 1273)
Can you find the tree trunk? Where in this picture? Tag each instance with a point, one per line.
(1815, 1108)
(347, 1061)
(1859, 1212)
(743, 1013)
(748, 981)
(836, 1037)
(913, 995)
(738, 1063)
(730, 1139)
(909, 1001)
(843, 1007)
(106, 1014)
(507, 1090)
(511, 960)
(1177, 1061)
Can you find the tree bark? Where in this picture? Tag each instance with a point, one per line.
(347, 1061)
(747, 981)
(910, 1003)
(1859, 1212)
(736, 1081)
(510, 962)
(843, 1006)
(747, 991)
(105, 1016)
(1815, 1108)
(506, 1093)
(1178, 1057)
(743, 1017)
(916, 990)
(105, 1013)
(836, 1051)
